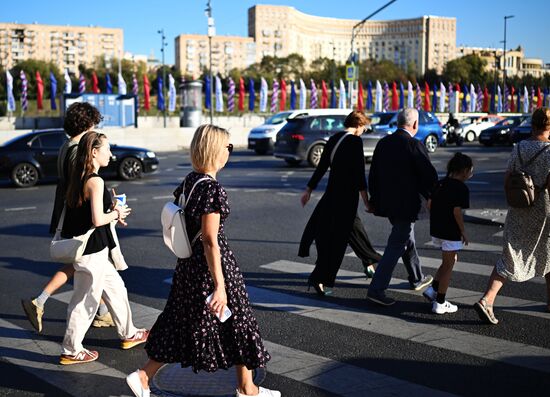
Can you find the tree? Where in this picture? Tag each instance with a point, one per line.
(30, 67)
(467, 69)
(384, 70)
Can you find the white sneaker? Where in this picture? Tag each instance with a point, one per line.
(263, 393)
(445, 307)
(430, 294)
(134, 382)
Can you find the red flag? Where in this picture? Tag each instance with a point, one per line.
(324, 95)
(282, 103)
(394, 97)
(146, 94)
(360, 103)
(427, 106)
(539, 98)
(512, 103)
(95, 84)
(486, 100)
(241, 94)
(40, 91)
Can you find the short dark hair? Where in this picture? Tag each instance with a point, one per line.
(356, 119)
(458, 163)
(81, 117)
(540, 120)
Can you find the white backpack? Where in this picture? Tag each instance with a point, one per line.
(174, 231)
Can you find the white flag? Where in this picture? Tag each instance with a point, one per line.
(121, 85)
(410, 95)
(219, 95)
(303, 94)
(171, 93)
(263, 95)
(442, 95)
(379, 101)
(525, 100)
(342, 100)
(68, 82)
(11, 99)
(473, 98)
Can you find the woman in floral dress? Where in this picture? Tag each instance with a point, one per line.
(526, 248)
(189, 331)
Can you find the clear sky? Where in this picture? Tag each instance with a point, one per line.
(479, 22)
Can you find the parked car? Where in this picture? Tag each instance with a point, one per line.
(306, 133)
(262, 138)
(501, 132)
(522, 131)
(430, 131)
(32, 157)
(472, 126)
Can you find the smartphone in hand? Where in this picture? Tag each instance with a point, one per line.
(226, 312)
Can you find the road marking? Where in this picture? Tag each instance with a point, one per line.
(287, 194)
(131, 199)
(162, 157)
(456, 295)
(314, 370)
(255, 190)
(171, 196)
(19, 209)
(169, 169)
(26, 189)
(183, 167)
(499, 234)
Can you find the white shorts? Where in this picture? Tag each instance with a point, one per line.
(447, 245)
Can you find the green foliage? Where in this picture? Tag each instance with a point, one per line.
(467, 69)
(30, 67)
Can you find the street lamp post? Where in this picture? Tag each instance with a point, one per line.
(211, 33)
(162, 45)
(504, 57)
(353, 34)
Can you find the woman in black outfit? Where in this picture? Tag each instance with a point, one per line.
(331, 225)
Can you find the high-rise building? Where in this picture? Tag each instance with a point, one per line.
(66, 46)
(427, 42)
(228, 52)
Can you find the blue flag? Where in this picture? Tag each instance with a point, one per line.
(160, 94)
(464, 99)
(207, 98)
(53, 91)
(434, 98)
(293, 95)
(401, 95)
(251, 95)
(545, 97)
(333, 99)
(369, 95)
(109, 89)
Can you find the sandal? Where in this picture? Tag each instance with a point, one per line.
(485, 311)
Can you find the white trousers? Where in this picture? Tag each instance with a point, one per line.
(95, 277)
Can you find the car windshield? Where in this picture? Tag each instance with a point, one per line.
(526, 122)
(505, 122)
(278, 118)
(382, 118)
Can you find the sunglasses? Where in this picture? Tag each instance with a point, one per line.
(230, 148)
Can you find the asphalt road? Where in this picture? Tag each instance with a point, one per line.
(341, 345)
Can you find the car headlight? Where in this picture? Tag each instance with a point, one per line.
(151, 155)
(505, 131)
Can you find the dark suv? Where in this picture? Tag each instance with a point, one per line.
(304, 137)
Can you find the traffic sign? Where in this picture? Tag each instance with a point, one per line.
(351, 72)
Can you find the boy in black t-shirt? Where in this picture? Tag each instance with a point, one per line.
(450, 197)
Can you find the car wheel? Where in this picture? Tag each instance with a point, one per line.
(470, 136)
(261, 152)
(24, 175)
(431, 143)
(293, 162)
(130, 168)
(315, 154)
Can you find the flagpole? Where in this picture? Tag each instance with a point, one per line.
(162, 45)
(211, 33)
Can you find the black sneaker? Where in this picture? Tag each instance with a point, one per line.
(426, 280)
(380, 299)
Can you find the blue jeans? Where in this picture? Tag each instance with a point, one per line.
(401, 244)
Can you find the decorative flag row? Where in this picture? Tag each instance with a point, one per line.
(380, 98)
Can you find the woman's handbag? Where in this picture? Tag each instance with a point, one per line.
(68, 250)
(174, 230)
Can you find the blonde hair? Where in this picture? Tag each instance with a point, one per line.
(206, 145)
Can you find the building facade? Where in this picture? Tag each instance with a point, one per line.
(516, 63)
(66, 46)
(427, 42)
(228, 52)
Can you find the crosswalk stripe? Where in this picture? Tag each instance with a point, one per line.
(314, 370)
(461, 267)
(456, 295)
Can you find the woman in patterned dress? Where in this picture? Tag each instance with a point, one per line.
(526, 248)
(189, 331)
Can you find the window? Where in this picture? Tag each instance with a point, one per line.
(54, 140)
